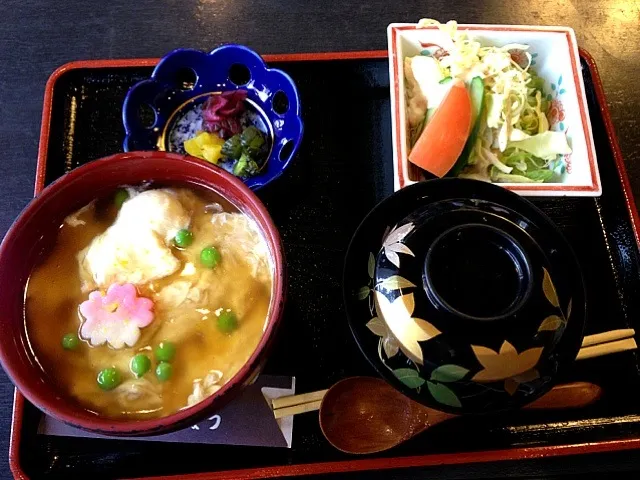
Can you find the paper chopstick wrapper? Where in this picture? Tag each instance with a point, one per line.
(248, 420)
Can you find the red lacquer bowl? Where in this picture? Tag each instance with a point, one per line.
(33, 234)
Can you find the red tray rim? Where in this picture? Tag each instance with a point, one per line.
(347, 465)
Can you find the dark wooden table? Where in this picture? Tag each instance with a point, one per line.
(36, 36)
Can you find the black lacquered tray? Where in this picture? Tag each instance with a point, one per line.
(343, 169)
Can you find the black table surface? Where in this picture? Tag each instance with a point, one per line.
(36, 36)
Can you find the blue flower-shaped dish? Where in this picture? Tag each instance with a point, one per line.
(185, 78)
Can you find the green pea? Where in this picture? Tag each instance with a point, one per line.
(227, 321)
(164, 371)
(70, 341)
(210, 257)
(109, 378)
(140, 364)
(165, 351)
(120, 197)
(183, 238)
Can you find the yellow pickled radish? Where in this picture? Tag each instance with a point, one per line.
(207, 146)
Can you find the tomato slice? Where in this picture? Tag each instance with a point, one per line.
(443, 139)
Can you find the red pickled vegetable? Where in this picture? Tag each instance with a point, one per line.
(221, 113)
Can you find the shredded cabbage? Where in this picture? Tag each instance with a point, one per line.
(513, 143)
(545, 145)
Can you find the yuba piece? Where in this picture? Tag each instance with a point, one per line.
(444, 137)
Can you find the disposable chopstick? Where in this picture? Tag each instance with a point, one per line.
(607, 348)
(296, 409)
(596, 345)
(606, 337)
(293, 400)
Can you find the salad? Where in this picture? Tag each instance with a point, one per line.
(474, 111)
(227, 134)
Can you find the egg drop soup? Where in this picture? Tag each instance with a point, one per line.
(150, 300)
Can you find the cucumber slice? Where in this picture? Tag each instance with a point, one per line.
(476, 92)
(430, 112)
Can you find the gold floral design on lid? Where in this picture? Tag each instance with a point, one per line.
(392, 244)
(506, 363)
(398, 316)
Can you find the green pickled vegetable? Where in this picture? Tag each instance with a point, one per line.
(227, 321)
(183, 238)
(109, 378)
(245, 167)
(70, 341)
(239, 169)
(164, 371)
(210, 257)
(140, 364)
(165, 351)
(232, 148)
(252, 141)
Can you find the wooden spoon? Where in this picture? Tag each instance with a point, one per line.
(362, 415)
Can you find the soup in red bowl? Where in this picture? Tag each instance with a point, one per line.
(139, 292)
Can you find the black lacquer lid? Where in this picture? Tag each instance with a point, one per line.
(464, 296)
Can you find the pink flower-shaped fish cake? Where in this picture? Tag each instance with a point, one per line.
(115, 318)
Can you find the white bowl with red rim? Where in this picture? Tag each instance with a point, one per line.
(555, 59)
